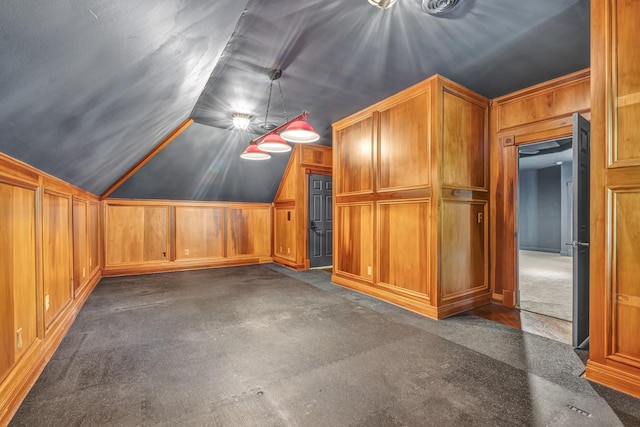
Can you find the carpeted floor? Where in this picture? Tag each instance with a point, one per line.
(267, 346)
(546, 284)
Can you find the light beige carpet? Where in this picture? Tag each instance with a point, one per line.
(546, 284)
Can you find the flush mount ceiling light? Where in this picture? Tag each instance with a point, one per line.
(383, 4)
(294, 130)
(241, 121)
(438, 7)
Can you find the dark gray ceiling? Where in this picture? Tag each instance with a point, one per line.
(87, 88)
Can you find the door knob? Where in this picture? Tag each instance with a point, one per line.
(313, 225)
(575, 244)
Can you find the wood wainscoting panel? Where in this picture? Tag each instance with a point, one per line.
(316, 156)
(199, 232)
(56, 254)
(95, 243)
(625, 232)
(136, 234)
(404, 145)
(626, 145)
(403, 238)
(463, 248)
(353, 241)
(464, 150)
(81, 269)
(285, 233)
(249, 231)
(18, 317)
(355, 158)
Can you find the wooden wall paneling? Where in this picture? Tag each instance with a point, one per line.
(285, 232)
(7, 337)
(463, 249)
(94, 238)
(23, 244)
(464, 160)
(316, 156)
(625, 300)
(353, 234)
(404, 238)
(248, 231)
(404, 143)
(199, 232)
(81, 269)
(156, 233)
(289, 183)
(57, 254)
(124, 234)
(355, 157)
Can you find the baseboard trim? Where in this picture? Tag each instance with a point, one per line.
(613, 378)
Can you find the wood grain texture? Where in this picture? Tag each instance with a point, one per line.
(404, 236)
(81, 269)
(288, 187)
(464, 147)
(353, 241)
(95, 238)
(463, 249)
(625, 232)
(313, 155)
(355, 158)
(284, 243)
(615, 188)
(404, 147)
(248, 231)
(199, 232)
(57, 254)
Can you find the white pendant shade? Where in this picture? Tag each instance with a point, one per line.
(253, 152)
(273, 143)
(300, 132)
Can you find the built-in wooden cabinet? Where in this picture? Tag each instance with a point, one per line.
(411, 200)
(614, 356)
(291, 204)
(143, 236)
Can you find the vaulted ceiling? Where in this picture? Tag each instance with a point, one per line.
(89, 87)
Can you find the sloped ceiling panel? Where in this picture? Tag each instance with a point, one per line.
(203, 163)
(338, 57)
(88, 87)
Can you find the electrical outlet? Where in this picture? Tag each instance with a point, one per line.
(186, 252)
(480, 217)
(369, 270)
(84, 272)
(19, 339)
(47, 303)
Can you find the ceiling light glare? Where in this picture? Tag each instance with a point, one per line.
(383, 4)
(241, 121)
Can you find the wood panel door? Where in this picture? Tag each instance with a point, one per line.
(353, 243)
(404, 144)
(404, 237)
(355, 158)
(57, 254)
(18, 322)
(463, 249)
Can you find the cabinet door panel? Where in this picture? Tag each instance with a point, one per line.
(355, 157)
(354, 240)
(404, 152)
(463, 252)
(94, 236)
(284, 244)
(80, 244)
(57, 254)
(403, 240)
(463, 143)
(156, 233)
(137, 234)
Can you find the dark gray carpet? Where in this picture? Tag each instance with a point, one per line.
(266, 346)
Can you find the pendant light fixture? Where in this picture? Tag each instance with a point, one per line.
(295, 130)
(253, 152)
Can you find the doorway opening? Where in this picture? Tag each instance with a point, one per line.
(545, 211)
(320, 227)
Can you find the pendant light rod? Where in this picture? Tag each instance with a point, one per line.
(303, 116)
